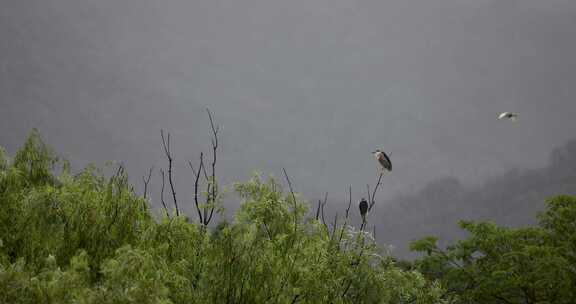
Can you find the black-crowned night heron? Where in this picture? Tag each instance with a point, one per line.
(383, 159)
(363, 205)
(508, 115)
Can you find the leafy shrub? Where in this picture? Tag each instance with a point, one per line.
(88, 238)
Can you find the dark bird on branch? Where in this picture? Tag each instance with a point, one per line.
(383, 159)
(363, 205)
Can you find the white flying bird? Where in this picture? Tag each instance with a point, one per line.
(509, 115)
(383, 159)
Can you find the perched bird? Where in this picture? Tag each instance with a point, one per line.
(363, 205)
(508, 115)
(383, 159)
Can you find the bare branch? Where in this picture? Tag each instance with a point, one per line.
(214, 185)
(205, 173)
(119, 171)
(368, 193)
(293, 199)
(347, 213)
(373, 198)
(323, 205)
(349, 200)
(334, 226)
(162, 193)
(192, 167)
(146, 181)
(166, 145)
(196, 180)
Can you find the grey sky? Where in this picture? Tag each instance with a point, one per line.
(309, 85)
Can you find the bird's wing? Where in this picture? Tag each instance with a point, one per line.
(503, 115)
(385, 161)
(363, 205)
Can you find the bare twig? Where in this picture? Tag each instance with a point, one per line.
(293, 199)
(162, 193)
(166, 145)
(349, 200)
(196, 180)
(208, 191)
(322, 210)
(214, 184)
(192, 168)
(334, 227)
(146, 181)
(347, 213)
(368, 193)
(373, 198)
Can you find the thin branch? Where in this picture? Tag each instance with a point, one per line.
(373, 198)
(295, 299)
(323, 205)
(166, 145)
(334, 226)
(208, 190)
(196, 180)
(119, 171)
(192, 168)
(214, 194)
(162, 193)
(268, 231)
(347, 213)
(205, 173)
(293, 199)
(146, 181)
(368, 192)
(349, 200)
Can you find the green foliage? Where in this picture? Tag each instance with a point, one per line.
(88, 238)
(503, 265)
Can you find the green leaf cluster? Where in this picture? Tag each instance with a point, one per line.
(496, 264)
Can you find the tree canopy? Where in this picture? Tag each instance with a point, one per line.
(89, 238)
(504, 265)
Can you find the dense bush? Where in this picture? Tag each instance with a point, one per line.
(88, 238)
(504, 265)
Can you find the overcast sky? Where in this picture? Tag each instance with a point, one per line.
(310, 85)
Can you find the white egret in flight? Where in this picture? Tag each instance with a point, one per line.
(508, 115)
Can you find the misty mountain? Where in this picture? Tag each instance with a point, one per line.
(511, 199)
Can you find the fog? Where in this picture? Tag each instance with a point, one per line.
(311, 86)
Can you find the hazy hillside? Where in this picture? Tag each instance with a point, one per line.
(512, 199)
